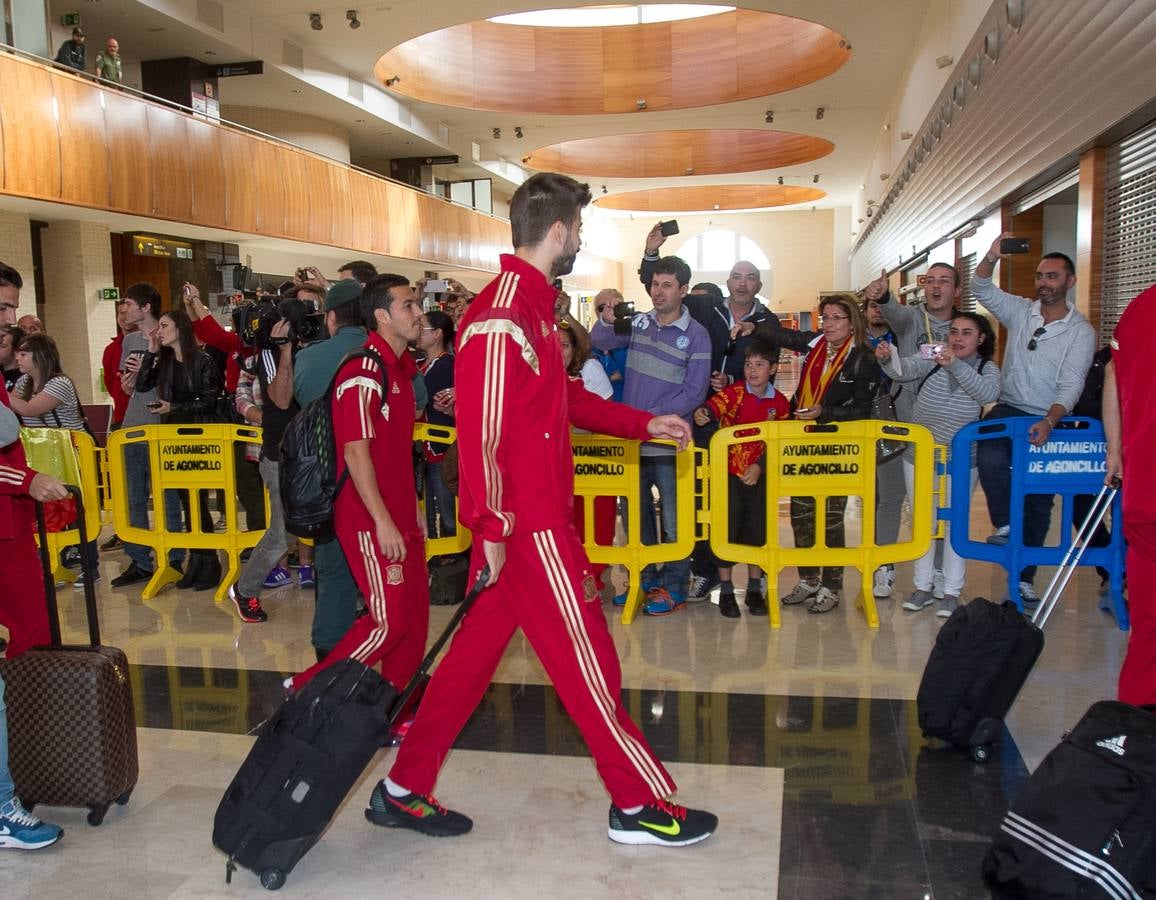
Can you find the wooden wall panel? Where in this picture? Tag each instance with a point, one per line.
(244, 181)
(172, 181)
(31, 139)
(342, 206)
(1018, 273)
(129, 160)
(320, 209)
(207, 172)
(272, 217)
(290, 169)
(367, 200)
(84, 168)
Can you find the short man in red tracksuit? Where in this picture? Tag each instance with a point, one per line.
(514, 407)
(376, 513)
(23, 607)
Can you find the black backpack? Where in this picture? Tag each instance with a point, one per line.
(308, 469)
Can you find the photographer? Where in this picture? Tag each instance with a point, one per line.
(273, 368)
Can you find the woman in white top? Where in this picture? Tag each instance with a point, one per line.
(44, 397)
(951, 389)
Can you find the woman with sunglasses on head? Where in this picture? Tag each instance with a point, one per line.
(44, 397)
(188, 383)
(951, 389)
(838, 382)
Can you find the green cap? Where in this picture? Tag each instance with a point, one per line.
(343, 292)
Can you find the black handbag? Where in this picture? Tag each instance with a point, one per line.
(883, 409)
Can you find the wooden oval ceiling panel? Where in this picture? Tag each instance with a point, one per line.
(710, 197)
(721, 58)
(670, 154)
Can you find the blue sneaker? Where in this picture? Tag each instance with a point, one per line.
(20, 830)
(661, 602)
(278, 577)
(619, 599)
(305, 576)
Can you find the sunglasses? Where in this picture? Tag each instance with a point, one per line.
(598, 309)
(1038, 333)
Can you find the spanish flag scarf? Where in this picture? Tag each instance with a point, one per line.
(818, 372)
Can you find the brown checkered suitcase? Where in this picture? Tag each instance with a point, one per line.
(72, 730)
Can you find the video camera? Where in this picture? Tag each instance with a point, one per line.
(623, 317)
(253, 322)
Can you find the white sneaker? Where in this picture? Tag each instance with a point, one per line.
(1028, 596)
(937, 584)
(884, 580)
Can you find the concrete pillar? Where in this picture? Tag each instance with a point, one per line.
(77, 258)
(16, 251)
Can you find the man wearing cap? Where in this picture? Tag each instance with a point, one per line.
(71, 52)
(313, 369)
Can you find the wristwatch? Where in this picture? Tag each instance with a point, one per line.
(988, 259)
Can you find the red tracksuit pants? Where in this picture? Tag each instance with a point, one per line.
(1138, 674)
(23, 608)
(397, 599)
(546, 589)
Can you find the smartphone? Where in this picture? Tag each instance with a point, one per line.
(302, 274)
(668, 228)
(1015, 245)
(436, 286)
(154, 405)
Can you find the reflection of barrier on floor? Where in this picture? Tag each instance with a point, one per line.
(87, 454)
(1070, 464)
(191, 458)
(804, 459)
(609, 467)
(460, 541)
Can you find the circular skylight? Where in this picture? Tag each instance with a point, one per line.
(605, 16)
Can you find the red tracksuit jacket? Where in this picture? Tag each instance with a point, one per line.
(516, 472)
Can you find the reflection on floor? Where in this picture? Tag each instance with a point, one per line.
(804, 740)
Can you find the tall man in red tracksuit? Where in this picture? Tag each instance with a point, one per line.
(376, 514)
(23, 607)
(514, 408)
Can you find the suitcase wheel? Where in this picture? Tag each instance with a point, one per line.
(272, 878)
(123, 798)
(980, 753)
(96, 814)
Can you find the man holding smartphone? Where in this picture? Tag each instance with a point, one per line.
(1049, 350)
(142, 308)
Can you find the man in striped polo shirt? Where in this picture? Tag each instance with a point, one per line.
(667, 372)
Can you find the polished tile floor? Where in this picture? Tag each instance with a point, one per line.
(804, 740)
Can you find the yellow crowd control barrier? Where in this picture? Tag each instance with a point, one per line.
(609, 467)
(805, 459)
(456, 543)
(190, 459)
(86, 456)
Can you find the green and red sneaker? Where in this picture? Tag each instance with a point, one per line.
(421, 812)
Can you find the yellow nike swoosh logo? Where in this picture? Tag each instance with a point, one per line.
(673, 829)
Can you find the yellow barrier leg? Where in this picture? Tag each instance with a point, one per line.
(634, 595)
(867, 599)
(774, 607)
(162, 577)
(232, 573)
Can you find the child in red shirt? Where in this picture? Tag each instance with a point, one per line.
(743, 403)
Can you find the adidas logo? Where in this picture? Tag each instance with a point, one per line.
(1115, 744)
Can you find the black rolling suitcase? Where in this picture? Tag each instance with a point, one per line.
(985, 652)
(307, 757)
(1084, 825)
(72, 728)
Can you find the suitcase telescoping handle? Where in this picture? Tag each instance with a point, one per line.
(1063, 574)
(50, 583)
(421, 675)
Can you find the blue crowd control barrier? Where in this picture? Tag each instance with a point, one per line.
(1069, 465)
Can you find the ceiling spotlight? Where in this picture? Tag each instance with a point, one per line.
(780, 179)
(390, 82)
(820, 112)
(517, 131)
(815, 179)
(315, 21)
(351, 16)
(769, 118)
(604, 189)
(497, 134)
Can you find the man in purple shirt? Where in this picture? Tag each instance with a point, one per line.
(667, 372)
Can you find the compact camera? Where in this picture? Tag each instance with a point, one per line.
(930, 351)
(623, 317)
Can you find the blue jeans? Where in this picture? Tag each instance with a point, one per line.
(274, 542)
(659, 472)
(439, 503)
(993, 459)
(7, 789)
(139, 484)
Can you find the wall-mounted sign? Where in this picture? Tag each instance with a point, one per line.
(144, 245)
(70, 19)
(110, 293)
(252, 67)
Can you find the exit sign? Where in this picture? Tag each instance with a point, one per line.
(110, 293)
(72, 19)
